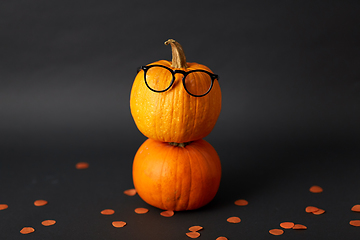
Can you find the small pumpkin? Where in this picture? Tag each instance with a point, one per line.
(174, 115)
(176, 177)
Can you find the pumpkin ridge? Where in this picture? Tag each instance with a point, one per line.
(160, 107)
(199, 165)
(174, 205)
(178, 189)
(190, 168)
(157, 115)
(208, 109)
(196, 114)
(211, 168)
(152, 145)
(183, 117)
(161, 179)
(172, 115)
(155, 122)
(195, 117)
(175, 182)
(180, 116)
(207, 168)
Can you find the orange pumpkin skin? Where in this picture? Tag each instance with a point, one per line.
(176, 178)
(174, 115)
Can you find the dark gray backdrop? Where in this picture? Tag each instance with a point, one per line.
(289, 74)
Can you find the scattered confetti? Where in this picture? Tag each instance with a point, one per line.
(193, 234)
(82, 165)
(130, 192)
(314, 210)
(107, 212)
(241, 202)
(195, 228)
(355, 208)
(234, 220)
(299, 227)
(141, 210)
(355, 223)
(276, 231)
(315, 189)
(221, 238)
(27, 230)
(118, 224)
(40, 203)
(168, 213)
(3, 206)
(318, 212)
(48, 222)
(311, 209)
(287, 225)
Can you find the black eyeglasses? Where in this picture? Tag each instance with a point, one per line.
(197, 83)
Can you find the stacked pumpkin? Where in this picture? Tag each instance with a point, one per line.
(176, 104)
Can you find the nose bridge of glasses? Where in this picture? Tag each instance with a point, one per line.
(177, 77)
(179, 71)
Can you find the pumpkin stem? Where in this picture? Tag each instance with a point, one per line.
(179, 144)
(178, 55)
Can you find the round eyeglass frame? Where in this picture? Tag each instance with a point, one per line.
(184, 73)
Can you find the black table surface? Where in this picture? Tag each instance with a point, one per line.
(274, 179)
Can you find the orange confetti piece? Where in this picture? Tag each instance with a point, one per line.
(195, 228)
(40, 203)
(130, 192)
(318, 212)
(355, 223)
(118, 224)
(168, 213)
(141, 210)
(107, 212)
(311, 209)
(315, 189)
(356, 208)
(234, 220)
(3, 206)
(299, 227)
(276, 231)
(82, 165)
(48, 222)
(193, 234)
(241, 202)
(27, 230)
(221, 238)
(287, 225)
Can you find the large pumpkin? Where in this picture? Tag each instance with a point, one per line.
(174, 115)
(176, 177)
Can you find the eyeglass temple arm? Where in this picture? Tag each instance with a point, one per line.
(139, 69)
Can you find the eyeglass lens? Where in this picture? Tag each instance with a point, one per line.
(196, 83)
(158, 78)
